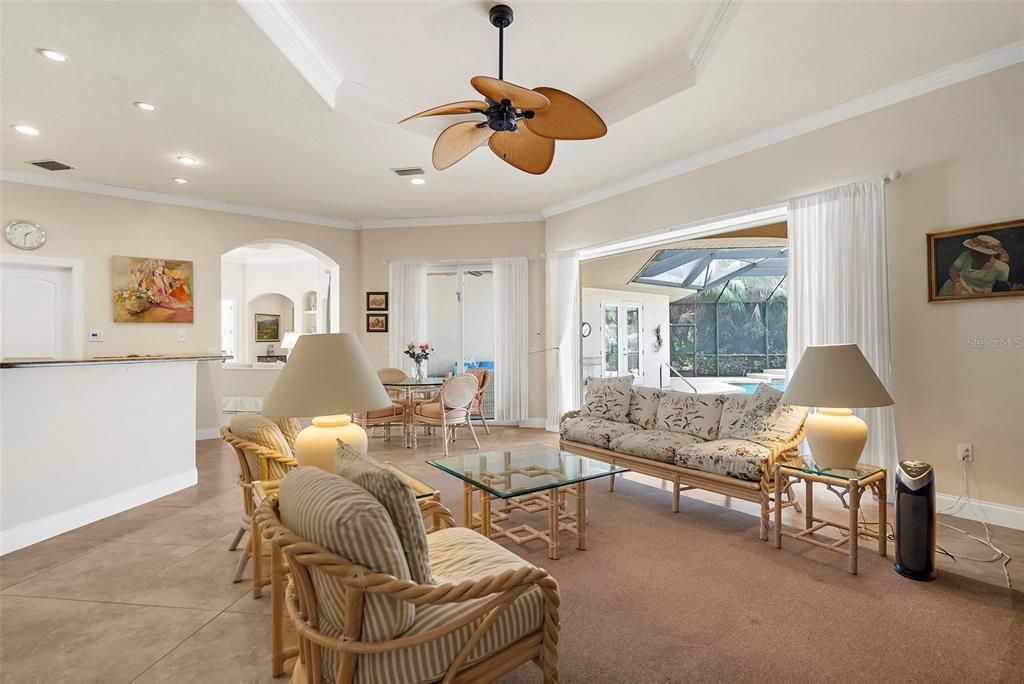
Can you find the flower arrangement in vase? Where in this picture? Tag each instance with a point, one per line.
(419, 353)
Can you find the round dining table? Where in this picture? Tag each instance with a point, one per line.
(410, 387)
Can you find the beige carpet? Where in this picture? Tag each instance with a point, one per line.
(146, 596)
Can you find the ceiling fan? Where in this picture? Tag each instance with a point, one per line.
(521, 125)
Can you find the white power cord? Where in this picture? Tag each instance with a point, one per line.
(964, 498)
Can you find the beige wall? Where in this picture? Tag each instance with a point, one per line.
(377, 247)
(94, 228)
(961, 150)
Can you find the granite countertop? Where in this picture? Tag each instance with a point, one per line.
(111, 360)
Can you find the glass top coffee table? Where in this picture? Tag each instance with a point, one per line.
(531, 478)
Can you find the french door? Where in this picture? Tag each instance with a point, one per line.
(460, 320)
(622, 339)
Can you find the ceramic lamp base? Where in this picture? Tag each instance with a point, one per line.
(836, 437)
(317, 444)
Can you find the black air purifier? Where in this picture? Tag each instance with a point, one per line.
(915, 520)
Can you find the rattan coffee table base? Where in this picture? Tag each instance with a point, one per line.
(490, 520)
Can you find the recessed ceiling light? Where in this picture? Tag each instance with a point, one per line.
(27, 130)
(145, 106)
(180, 181)
(187, 161)
(418, 181)
(52, 55)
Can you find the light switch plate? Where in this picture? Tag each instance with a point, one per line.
(181, 335)
(95, 335)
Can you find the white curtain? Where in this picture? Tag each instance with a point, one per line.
(511, 321)
(563, 314)
(407, 282)
(838, 290)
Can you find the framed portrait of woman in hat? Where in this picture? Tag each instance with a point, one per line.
(981, 262)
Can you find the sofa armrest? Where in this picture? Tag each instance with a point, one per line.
(786, 452)
(570, 414)
(439, 515)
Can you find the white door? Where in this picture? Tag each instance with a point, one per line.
(39, 314)
(622, 339)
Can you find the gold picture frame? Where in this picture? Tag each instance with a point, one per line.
(977, 262)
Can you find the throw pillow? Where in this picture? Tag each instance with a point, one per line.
(397, 497)
(643, 406)
(290, 428)
(698, 415)
(608, 398)
(745, 416)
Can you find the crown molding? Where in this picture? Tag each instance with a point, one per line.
(77, 185)
(974, 67)
(287, 33)
(378, 224)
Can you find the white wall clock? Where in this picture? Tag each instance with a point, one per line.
(25, 234)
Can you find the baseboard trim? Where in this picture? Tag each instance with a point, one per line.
(207, 433)
(533, 423)
(58, 523)
(995, 513)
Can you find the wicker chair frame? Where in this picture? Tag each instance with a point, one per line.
(305, 558)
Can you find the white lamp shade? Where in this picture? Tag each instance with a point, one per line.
(326, 375)
(289, 340)
(835, 375)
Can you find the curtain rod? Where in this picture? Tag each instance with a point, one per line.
(893, 175)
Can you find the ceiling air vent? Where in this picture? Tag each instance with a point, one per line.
(410, 171)
(51, 165)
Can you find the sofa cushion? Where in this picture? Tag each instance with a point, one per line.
(265, 433)
(347, 520)
(643, 406)
(397, 497)
(594, 431)
(457, 554)
(731, 457)
(608, 398)
(761, 417)
(657, 445)
(691, 414)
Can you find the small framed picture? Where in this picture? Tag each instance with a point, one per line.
(980, 262)
(268, 327)
(376, 301)
(376, 323)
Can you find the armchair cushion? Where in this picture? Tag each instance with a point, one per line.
(265, 433)
(347, 520)
(594, 431)
(691, 414)
(397, 497)
(433, 410)
(457, 554)
(290, 428)
(657, 445)
(731, 457)
(608, 398)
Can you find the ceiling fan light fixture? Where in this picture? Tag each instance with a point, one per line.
(520, 125)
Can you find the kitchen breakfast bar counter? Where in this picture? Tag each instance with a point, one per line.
(83, 439)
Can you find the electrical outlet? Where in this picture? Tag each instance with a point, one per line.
(965, 452)
(181, 335)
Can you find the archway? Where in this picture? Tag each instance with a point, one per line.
(298, 283)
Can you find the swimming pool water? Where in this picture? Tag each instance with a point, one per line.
(751, 387)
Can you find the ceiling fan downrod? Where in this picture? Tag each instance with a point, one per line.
(501, 18)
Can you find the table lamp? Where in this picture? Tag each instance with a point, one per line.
(327, 376)
(835, 378)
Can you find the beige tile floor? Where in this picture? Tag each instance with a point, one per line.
(146, 595)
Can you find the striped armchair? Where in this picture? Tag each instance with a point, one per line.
(362, 618)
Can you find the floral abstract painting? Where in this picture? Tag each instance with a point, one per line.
(150, 290)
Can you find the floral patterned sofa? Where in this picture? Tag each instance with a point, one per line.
(724, 443)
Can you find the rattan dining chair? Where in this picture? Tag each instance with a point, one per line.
(449, 410)
(483, 377)
(391, 415)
